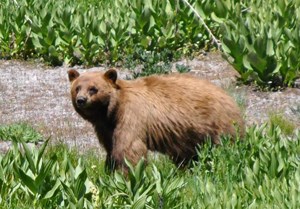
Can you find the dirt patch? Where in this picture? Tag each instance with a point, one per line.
(38, 94)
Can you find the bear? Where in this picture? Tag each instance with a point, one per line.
(172, 114)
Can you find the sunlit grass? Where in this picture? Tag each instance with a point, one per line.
(19, 132)
(260, 171)
(277, 119)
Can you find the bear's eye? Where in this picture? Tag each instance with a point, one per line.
(93, 90)
(78, 89)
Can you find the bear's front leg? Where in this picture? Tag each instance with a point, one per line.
(129, 147)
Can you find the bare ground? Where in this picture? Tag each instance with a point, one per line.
(39, 95)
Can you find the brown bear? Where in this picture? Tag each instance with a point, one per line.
(171, 114)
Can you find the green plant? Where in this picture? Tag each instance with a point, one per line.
(132, 193)
(33, 173)
(262, 48)
(143, 189)
(19, 132)
(96, 32)
(149, 62)
(25, 172)
(277, 119)
(257, 171)
(182, 68)
(259, 40)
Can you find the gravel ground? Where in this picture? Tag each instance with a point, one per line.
(38, 94)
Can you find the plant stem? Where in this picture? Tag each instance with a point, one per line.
(215, 40)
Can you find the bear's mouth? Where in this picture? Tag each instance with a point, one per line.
(83, 106)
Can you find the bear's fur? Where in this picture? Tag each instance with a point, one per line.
(171, 114)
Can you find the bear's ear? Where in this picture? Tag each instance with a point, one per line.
(73, 74)
(111, 74)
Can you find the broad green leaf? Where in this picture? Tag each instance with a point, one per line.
(45, 171)
(52, 51)
(1, 171)
(246, 63)
(27, 181)
(257, 62)
(273, 165)
(80, 189)
(216, 18)
(179, 183)
(162, 41)
(200, 10)
(42, 150)
(29, 157)
(168, 9)
(221, 8)
(270, 48)
(78, 170)
(281, 164)
(234, 200)
(139, 169)
(54, 189)
(140, 203)
(152, 23)
(36, 42)
(51, 36)
(103, 27)
(256, 167)
(69, 192)
(145, 41)
(158, 180)
(80, 203)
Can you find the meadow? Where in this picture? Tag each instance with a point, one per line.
(259, 39)
(262, 48)
(260, 171)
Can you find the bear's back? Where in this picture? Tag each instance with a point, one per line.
(182, 107)
(181, 84)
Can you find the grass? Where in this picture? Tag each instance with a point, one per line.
(277, 119)
(261, 171)
(239, 94)
(93, 162)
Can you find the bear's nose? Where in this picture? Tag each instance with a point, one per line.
(81, 101)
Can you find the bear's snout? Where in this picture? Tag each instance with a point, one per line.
(81, 101)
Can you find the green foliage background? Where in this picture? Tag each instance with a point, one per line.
(261, 171)
(259, 38)
(95, 31)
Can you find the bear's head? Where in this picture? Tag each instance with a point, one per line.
(91, 92)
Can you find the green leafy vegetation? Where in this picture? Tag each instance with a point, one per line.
(149, 62)
(19, 132)
(277, 119)
(260, 171)
(97, 31)
(258, 38)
